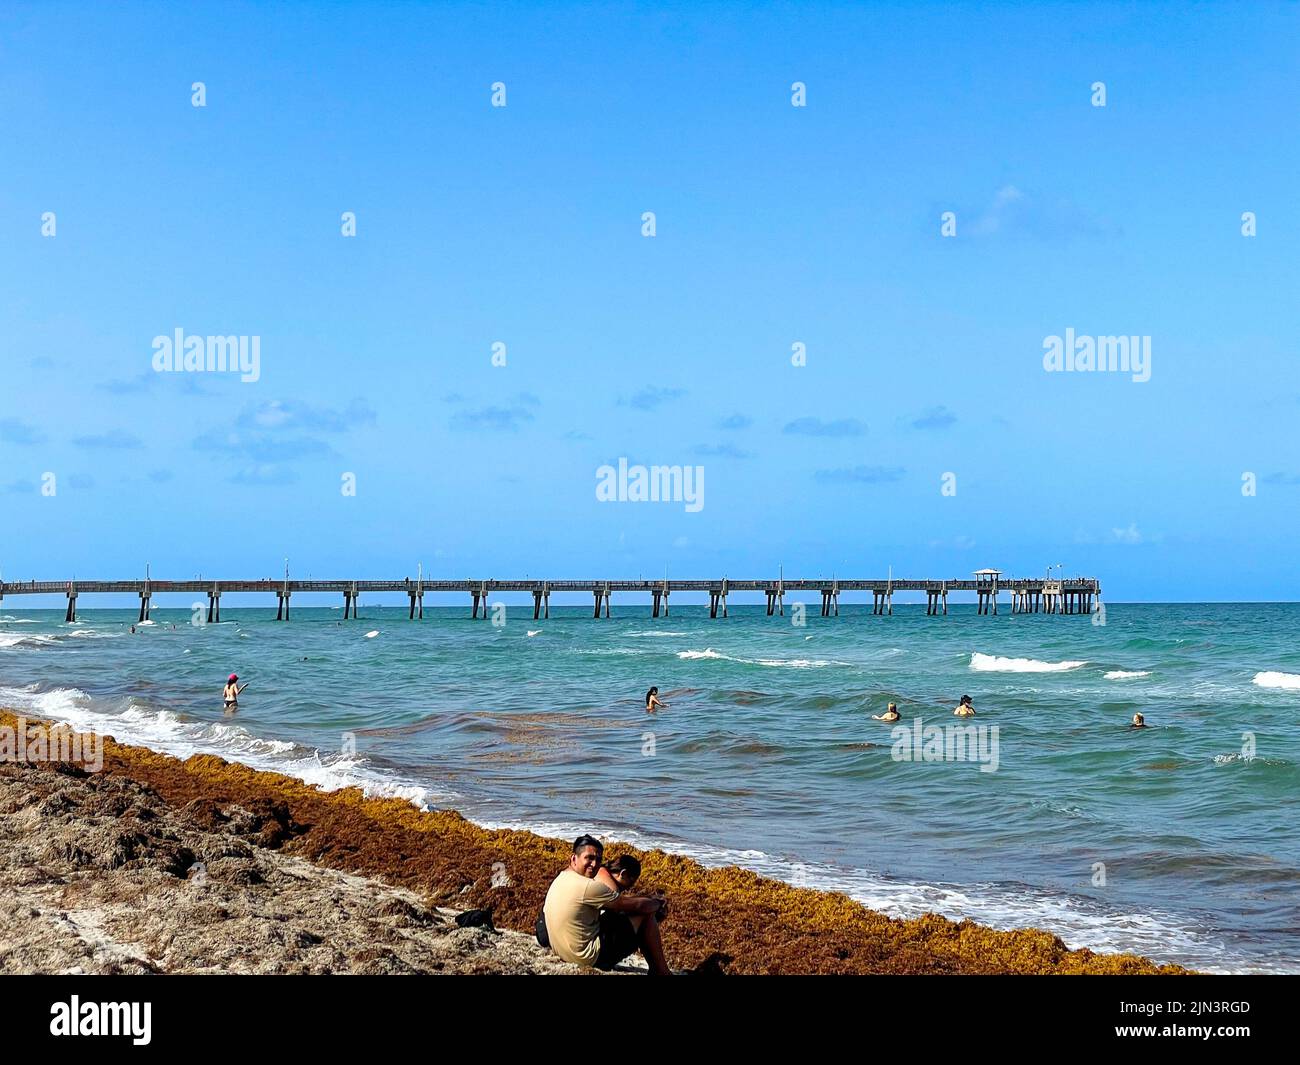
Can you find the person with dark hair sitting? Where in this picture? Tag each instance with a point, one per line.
(622, 874)
(586, 919)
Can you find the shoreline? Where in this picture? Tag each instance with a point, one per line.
(289, 844)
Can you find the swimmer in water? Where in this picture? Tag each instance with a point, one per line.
(652, 702)
(891, 714)
(1139, 721)
(231, 693)
(964, 708)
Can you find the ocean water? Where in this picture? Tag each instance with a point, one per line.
(1179, 841)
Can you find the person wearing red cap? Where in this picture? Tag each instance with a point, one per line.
(231, 694)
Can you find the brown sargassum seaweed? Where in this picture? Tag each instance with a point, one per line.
(759, 925)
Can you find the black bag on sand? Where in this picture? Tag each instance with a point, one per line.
(476, 919)
(543, 939)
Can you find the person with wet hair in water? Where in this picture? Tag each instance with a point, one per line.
(652, 702)
(891, 714)
(964, 708)
(1139, 721)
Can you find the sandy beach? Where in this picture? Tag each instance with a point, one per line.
(157, 865)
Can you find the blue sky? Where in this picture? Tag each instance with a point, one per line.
(774, 225)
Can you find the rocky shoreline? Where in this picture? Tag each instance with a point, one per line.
(154, 865)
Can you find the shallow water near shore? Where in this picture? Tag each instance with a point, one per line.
(766, 756)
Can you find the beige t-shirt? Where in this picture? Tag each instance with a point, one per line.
(572, 910)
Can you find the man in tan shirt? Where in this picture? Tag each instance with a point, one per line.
(587, 922)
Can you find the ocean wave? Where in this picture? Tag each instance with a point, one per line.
(657, 632)
(161, 730)
(18, 639)
(983, 663)
(41, 639)
(788, 663)
(1271, 679)
(1125, 674)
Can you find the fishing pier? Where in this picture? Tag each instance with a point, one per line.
(1027, 595)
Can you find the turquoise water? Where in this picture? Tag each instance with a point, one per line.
(766, 755)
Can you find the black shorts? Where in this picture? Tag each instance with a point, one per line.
(618, 939)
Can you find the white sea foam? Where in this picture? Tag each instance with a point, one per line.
(166, 732)
(658, 632)
(18, 639)
(1125, 674)
(982, 663)
(1271, 679)
(786, 663)
(534, 632)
